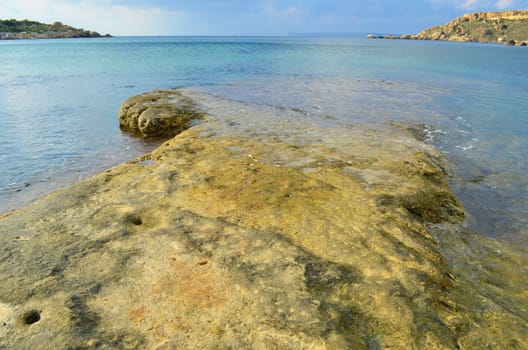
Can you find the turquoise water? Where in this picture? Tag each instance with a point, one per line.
(59, 101)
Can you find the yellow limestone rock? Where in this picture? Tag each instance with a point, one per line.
(260, 229)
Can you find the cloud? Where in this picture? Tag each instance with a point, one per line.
(504, 4)
(470, 4)
(492, 5)
(273, 11)
(254, 17)
(98, 15)
(482, 5)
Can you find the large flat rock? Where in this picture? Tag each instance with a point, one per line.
(260, 229)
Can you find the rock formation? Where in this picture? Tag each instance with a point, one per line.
(12, 29)
(508, 27)
(260, 229)
(159, 113)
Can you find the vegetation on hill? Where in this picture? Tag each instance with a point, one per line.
(25, 29)
(508, 27)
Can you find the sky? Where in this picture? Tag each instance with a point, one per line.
(249, 17)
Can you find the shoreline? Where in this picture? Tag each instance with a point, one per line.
(27, 192)
(520, 43)
(504, 27)
(252, 231)
(12, 29)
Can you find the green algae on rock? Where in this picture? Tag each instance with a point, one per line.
(242, 233)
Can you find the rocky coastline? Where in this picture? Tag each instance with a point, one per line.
(15, 30)
(507, 27)
(255, 227)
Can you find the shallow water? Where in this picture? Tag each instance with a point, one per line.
(59, 102)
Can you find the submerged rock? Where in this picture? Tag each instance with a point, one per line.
(244, 233)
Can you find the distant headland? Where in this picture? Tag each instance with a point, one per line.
(25, 29)
(507, 27)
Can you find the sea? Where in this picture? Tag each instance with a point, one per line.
(59, 101)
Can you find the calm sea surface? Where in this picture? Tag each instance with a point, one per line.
(59, 101)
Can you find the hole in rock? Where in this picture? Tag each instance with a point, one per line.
(137, 221)
(134, 219)
(30, 317)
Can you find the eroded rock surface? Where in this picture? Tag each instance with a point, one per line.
(245, 233)
(158, 113)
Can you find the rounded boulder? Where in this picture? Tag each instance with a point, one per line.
(158, 113)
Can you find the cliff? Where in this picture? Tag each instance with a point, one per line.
(259, 229)
(508, 27)
(14, 29)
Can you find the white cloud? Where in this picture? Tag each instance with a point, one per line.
(273, 11)
(504, 4)
(98, 15)
(490, 5)
(470, 4)
(481, 5)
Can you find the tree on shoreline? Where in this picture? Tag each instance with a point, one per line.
(24, 29)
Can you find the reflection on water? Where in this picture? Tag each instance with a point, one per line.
(55, 132)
